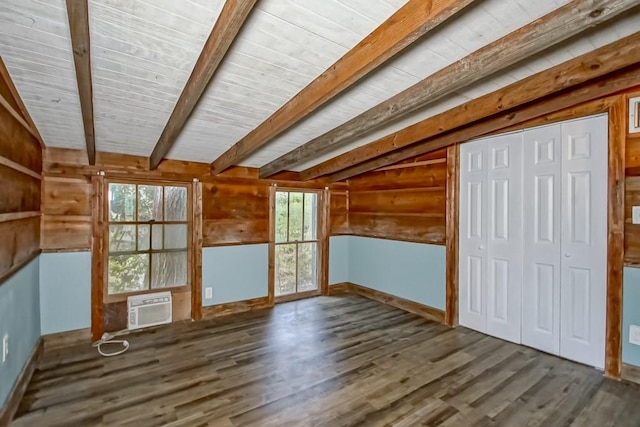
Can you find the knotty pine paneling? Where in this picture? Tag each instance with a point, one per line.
(20, 192)
(66, 209)
(631, 231)
(20, 200)
(339, 212)
(17, 144)
(401, 203)
(235, 214)
(64, 233)
(20, 241)
(632, 154)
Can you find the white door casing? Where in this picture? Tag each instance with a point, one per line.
(541, 243)
(584, 240)
(504, 236)
(472, 236)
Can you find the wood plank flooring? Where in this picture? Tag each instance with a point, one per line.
(327, 361)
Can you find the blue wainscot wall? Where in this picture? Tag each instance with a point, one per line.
(414, 271)
(235, 273)
(65, 291)
(20, 320)
(338, 259)
(630, 314)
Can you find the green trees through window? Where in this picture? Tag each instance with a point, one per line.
(296, 245)
(147, 239)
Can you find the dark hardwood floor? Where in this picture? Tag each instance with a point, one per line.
(334, 361)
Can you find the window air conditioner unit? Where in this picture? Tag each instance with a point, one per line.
(149, 310)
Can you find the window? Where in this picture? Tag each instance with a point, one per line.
(148, 237)
(296, 242)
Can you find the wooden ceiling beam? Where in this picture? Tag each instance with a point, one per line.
(549, 30)
(78, 14)
(599, 62)
(409, 23)
(232, 17)
(625, 79)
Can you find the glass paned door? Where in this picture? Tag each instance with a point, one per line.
(296, 242)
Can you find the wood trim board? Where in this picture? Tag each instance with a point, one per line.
(7, 275)
(451, 234)
(388, 299)
(98, 265)
(236, 307)
(196, 247)
(615, 238)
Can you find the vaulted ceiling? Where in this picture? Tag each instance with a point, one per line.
(142, 53)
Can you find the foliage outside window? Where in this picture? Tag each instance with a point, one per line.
(296, 242)
(148, 237)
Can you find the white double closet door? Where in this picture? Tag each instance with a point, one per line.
(533, 238)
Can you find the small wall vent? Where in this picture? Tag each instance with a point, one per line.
(149, 310)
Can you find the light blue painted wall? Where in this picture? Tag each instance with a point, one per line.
(235, 273)
(65, 291)
(630, 314)
(338, 259)
(20, 319)
(413, 271)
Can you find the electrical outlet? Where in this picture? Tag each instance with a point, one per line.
(634, 334)
(5, 348)
(208, 293)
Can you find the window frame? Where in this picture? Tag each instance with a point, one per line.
(119, 297)
(320, 241)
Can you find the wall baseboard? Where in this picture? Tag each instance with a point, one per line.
(631, 373)
(20, 387)
(235, 307)
(392, 300)
(66, 339)
(339, 288)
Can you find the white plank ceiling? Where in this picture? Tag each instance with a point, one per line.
(143, 52)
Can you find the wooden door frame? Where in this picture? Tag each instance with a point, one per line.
(322, 241)
(615, 107)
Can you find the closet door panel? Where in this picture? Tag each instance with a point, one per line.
(584, 240)
(542, 238)
(472, 235)
(504, 236)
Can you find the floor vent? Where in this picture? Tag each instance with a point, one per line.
(149, 310)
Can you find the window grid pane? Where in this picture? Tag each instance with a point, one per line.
(144, 255)
(296, 249)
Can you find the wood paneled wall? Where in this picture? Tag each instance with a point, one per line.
(339, 210)
(235, 205)
(401, 202)
(235, 213)
(20, 177)
(632, 197)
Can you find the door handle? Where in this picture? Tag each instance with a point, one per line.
(480, 247)
(567, 255)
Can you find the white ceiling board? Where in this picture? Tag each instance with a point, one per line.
(143, 52)
(577, 46)
(284, 45)
(36, 48)
(447, 44)
(142, 55)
